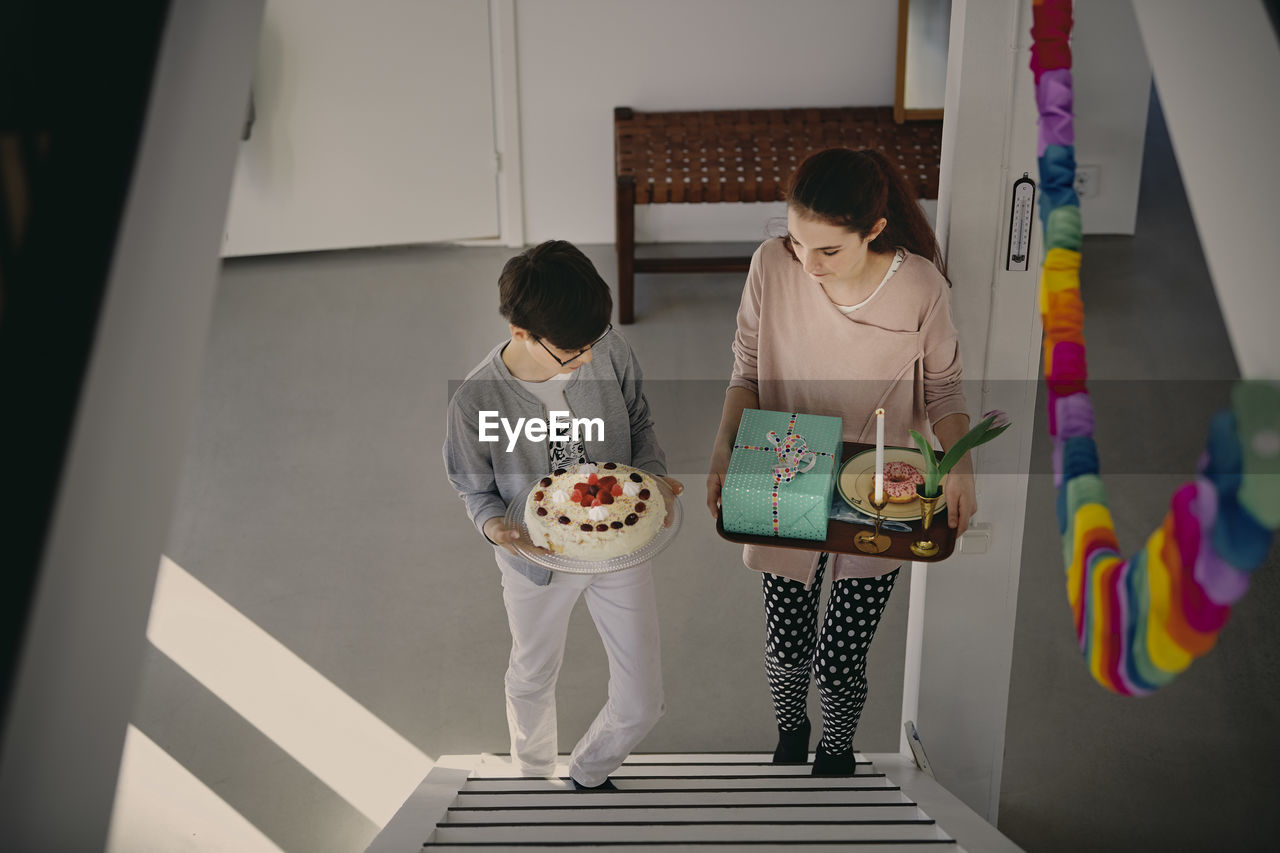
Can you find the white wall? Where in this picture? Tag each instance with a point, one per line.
(1112, 85)
(1224, 118)
(374, 126)
(970, 601)
(82, 650)
(924, 81)
(578, 59)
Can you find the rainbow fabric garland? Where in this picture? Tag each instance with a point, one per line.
(1139, 621)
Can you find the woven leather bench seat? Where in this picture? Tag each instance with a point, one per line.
(742, 156)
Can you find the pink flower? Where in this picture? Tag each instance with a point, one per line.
(999, 419)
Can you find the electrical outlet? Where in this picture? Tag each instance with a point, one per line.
(976, 540)
(1087, 178)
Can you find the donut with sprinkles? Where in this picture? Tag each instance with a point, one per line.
(900, 481)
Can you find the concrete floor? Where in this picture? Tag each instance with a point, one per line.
(1193, 766)
(314, 503)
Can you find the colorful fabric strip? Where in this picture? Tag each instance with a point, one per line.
(1139, 622)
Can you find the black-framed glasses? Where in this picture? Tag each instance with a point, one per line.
(580, 353)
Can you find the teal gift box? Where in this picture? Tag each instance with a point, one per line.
(781, 475)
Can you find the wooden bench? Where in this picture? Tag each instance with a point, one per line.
(742, 156)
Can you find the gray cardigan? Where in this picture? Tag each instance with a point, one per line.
(488, 477)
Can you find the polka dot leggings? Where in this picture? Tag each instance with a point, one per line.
(836, 652)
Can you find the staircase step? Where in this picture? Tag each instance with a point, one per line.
(940, 845)
(681, 814)
(681, 769)
(877, 795)
(669, 782)
(672, 833)
(737, 768)
(671, 757)
(707, 801)
(703, 758)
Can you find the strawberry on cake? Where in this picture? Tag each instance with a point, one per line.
(594, 512)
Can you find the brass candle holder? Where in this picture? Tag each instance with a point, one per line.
(925, 546)
(873, 541)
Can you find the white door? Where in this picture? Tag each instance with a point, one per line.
(373, 125)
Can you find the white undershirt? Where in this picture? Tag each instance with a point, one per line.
(899, 256)
(550, 392)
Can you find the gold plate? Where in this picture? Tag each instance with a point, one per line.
(857, 481)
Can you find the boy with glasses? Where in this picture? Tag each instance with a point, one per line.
(562, 356)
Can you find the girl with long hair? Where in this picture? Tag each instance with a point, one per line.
(847, 313)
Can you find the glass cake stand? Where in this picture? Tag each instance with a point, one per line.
(558, 563)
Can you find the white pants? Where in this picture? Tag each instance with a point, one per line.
(624, 609)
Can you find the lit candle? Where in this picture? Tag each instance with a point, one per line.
(879, 455)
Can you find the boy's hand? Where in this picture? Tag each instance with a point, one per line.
(676, 488)
(504, 537)
(501, 535)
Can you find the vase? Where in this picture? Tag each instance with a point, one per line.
(924, 546)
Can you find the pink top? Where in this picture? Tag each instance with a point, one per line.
(800, 353)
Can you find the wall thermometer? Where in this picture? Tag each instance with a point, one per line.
(1020, 218)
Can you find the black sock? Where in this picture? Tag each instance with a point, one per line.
(793, 747)
(833, 763)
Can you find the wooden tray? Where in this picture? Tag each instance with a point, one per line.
(840, 533)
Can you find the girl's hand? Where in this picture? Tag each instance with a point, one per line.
(962, 498)
(715, 484)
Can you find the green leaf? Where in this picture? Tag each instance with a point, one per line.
(932, 476)
(979, 435)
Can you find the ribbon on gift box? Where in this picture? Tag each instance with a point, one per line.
(794, 457)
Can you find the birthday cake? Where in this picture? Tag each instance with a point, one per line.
(594, 512)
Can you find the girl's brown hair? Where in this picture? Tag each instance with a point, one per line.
(854, 189)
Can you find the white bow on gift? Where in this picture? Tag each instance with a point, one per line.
(794, 457)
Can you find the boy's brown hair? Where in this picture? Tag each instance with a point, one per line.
(555, 293)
